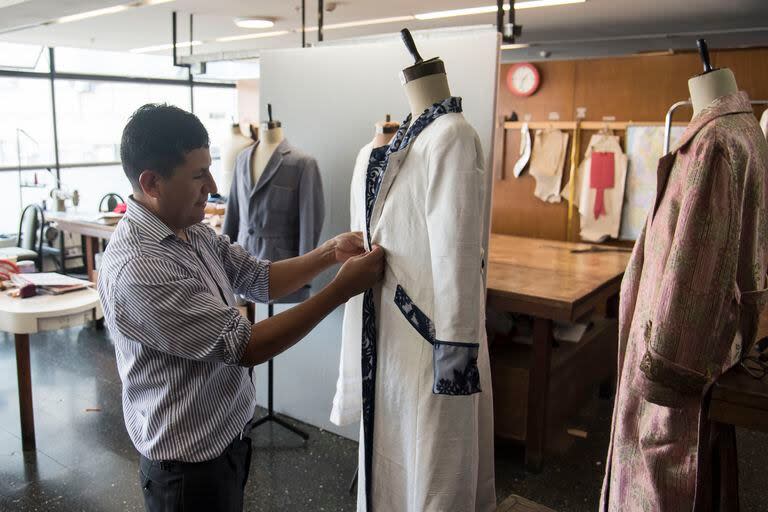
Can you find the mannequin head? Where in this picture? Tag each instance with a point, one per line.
(425, 82)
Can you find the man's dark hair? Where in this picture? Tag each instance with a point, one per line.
(157, 138)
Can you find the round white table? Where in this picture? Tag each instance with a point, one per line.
(22, 317)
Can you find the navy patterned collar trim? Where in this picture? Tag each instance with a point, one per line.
(408, 133)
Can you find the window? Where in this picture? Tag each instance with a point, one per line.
(78, 60)
(92, 183)
(91, 115)
(26, 131)
(216, 107)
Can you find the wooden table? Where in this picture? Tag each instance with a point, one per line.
(85, 225)
(544, 279)
(741, 400)
(22, 317)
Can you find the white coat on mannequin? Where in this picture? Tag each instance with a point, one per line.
(431, 452)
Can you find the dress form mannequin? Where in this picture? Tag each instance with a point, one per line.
(425, 82)
(710, 85)
(385, 130)
(272, 136)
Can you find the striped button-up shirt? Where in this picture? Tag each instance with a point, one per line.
(170, 309)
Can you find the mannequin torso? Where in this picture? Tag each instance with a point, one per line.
(708, 87)
(385, 130)
(270, 139)
(424, 92)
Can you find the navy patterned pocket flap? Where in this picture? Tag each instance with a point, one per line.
(454, 364)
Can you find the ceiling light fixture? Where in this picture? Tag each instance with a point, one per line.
(516, 46)
(490, 9)
(259, 35)
(160, 47)
(104, 11)
(252, 22)
(363, 23)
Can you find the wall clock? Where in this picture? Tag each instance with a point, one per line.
(523, 79)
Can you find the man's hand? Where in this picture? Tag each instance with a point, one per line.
(359, 273)
(344, 246)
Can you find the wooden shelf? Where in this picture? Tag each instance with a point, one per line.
(583, 125)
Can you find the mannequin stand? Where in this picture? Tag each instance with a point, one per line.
(271, 416)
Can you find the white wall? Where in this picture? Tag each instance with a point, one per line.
(328, 99)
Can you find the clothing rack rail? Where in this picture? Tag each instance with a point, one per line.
(668, 120)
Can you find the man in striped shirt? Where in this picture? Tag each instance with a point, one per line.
(167, 284)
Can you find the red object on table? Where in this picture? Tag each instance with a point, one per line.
(601, 177)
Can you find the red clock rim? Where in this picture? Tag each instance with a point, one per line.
(536, 83)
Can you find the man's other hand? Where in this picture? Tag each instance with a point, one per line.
(360, 273)
(345, 246)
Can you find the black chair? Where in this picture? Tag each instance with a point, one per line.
(29, 240)
(111, 200)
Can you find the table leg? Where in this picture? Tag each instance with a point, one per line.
(538, 394)
(25, 392)
(91, 248)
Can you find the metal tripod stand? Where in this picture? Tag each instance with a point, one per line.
(271, 416)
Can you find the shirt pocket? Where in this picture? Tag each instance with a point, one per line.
(454, 364)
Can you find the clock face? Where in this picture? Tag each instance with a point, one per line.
(523, 79)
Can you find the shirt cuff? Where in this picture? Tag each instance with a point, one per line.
(236, 340)
(259, 289)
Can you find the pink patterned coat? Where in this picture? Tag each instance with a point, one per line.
(697, 277)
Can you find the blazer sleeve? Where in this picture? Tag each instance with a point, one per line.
(232, 215)
(454, 215)
(691, 323)
(311, 206)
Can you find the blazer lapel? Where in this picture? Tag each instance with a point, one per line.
(393, 169)
(272, 166)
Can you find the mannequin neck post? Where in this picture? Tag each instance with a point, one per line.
(706, 88)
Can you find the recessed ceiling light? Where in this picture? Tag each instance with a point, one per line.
(489, 9)
(251, 22)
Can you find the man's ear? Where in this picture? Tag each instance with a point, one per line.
(149, 181)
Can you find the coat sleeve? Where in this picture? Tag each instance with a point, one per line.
(691, 323)
(232, 215)
(311, 207)
(454, 213)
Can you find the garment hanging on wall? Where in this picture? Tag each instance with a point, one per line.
(599, 196)
(690, 302)
(282, 215)
(764, 123)
(645, 146)
(427, 419)
(547, 160)
(525, 151)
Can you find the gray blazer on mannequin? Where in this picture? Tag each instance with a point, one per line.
(282, 215)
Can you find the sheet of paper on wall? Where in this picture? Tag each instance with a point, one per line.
(645, 145)
(525, 151)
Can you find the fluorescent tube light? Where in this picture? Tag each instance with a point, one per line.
(515, 46)
(259, 35)
(489, 9)
(254, 23)
(106, 10)
(169, 46)
(362, 23)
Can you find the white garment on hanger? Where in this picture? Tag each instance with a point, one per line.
(547, 159)
(607, 225)
(525, 151)
(431, 452)
(764, 122)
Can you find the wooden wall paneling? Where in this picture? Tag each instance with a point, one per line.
(636, 88)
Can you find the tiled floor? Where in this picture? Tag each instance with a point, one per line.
(85, 461)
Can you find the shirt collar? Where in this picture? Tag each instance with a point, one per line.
(149, 223)
(735, 103)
